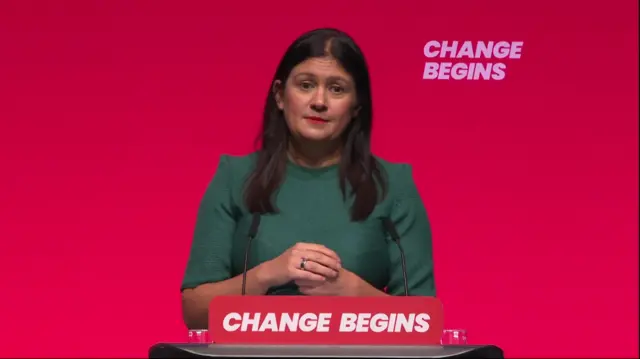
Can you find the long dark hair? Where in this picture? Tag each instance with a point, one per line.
(358, 167)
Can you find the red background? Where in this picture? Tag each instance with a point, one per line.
(114, 113)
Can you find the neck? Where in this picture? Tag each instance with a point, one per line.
(314, 154)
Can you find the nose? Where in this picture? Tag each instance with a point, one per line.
(319, 100)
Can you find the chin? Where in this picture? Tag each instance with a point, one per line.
(316, 136)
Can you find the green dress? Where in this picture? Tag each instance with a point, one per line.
(312, 210)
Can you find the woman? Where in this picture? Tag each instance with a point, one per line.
(320, 192)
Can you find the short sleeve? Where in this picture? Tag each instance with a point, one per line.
(410, 218)
(210, 255)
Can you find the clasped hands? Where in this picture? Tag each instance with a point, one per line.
(316, 270)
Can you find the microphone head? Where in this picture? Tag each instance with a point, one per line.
(390, 228)
(255, 223)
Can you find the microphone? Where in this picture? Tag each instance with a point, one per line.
(253, 231)
(391, 229)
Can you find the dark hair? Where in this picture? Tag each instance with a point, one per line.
(358, 167)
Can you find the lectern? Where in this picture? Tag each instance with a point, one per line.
(202, 351)
(324, 327)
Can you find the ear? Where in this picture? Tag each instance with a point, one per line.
(278, 93)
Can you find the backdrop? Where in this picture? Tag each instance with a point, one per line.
(114, 114)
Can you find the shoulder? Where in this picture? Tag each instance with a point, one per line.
(232, 171)
(236, 166)
(400, 182)
(395, 172)
(228, 180)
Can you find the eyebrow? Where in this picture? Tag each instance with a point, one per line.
(334, 78)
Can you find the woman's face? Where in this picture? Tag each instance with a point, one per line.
(318, 100)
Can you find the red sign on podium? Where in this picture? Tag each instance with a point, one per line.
(325, 320)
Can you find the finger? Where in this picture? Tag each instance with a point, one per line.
(317, 268)
(317, 248)
(322, 259)
(308, 276)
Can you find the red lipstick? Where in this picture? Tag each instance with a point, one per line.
(316, 119)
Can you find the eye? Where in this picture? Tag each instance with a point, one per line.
(306, 85)
(336, 89)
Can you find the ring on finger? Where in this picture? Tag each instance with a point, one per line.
(303, 262)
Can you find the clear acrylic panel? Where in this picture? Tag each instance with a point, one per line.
(454, 337)
(198, 336)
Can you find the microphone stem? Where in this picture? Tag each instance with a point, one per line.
(246, 264)
(404, 269)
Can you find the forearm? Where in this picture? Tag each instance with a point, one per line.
(368, 290)
(195, 302)
(363, 289)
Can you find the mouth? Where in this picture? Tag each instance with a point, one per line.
(315, 119)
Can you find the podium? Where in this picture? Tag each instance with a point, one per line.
(324, 327)
(201, 351)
